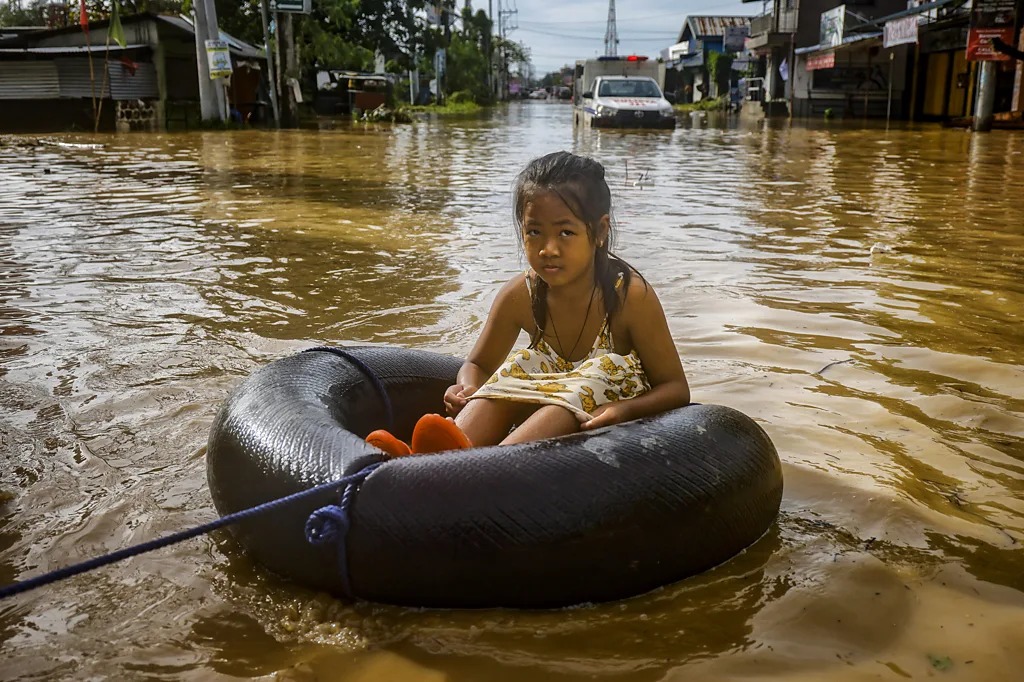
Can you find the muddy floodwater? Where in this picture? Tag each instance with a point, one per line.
(859, 292)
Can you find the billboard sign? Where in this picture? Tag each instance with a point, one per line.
(833, 25)
(900, 32)
(734, 38)
(990, 19)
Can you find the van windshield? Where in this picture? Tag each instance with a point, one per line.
(628, 88)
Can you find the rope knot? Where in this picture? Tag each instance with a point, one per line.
(327, 525)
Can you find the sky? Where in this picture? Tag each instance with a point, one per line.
(558, 32)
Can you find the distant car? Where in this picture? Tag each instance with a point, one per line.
(539, 93)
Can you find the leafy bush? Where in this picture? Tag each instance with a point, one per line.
(461, 97)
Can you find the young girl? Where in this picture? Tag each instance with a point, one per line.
(600, 349)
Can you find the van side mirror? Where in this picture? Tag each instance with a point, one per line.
(589, 94)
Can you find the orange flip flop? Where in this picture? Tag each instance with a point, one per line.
(434, 433)
(393, 447)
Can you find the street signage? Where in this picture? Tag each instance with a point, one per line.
(293, 6)
(734, 37)
(901, 31)
(826, 60)
(990, 19)
(218, 58)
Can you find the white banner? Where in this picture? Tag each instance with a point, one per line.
(900, 31)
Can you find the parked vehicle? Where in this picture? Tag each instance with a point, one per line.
(621, 92)
(539, 93)
(349, 92)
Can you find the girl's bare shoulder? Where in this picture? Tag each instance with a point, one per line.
(639, 298)
(514, 298)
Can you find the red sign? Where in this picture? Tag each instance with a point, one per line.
(990, 19)
(822, 60)
(979, 44)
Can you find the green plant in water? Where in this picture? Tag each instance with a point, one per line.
(449, 109)
(706, 104)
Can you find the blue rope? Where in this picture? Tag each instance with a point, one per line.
(350, 482)
(330, 524)
(378, 384)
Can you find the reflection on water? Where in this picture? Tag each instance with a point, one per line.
(859, 292)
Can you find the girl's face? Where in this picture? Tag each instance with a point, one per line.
(557, 244)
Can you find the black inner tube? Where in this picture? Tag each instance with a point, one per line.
(589, 517)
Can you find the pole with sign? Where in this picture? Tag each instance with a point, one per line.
(212, 99)
(293, 6)
(271, 76)
(288, 66)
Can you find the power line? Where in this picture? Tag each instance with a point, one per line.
(621, 20)
(578, 36)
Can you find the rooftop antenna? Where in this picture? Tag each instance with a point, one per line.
(611, 37)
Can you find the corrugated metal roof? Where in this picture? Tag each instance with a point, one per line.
(28, 80)
(709, 26)
(236, 46)
(76, 49)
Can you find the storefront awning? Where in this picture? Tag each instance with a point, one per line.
(820, 53)
(690, 62)
(920, 9)
(847, 42)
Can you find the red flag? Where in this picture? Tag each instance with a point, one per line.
(83, 17)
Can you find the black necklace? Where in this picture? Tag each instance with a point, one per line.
(586, 318)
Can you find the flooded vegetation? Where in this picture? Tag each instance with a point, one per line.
(857, 291)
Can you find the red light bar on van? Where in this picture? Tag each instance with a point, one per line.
(630, 58)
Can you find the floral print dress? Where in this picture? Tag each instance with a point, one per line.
(540, 375)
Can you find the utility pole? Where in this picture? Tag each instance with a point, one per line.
(290, 69)
(212, 102)
(611, 36)
(503, 30)
(271, 70)
(985, 100)
(489, 49)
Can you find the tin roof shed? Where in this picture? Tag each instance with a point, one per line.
(700, 27)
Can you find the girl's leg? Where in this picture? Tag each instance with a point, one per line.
(547, 422)
(487, 422)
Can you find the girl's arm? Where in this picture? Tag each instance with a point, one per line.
(653, 343)
(496, 340)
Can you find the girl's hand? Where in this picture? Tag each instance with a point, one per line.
(455, 398)
(606, 415)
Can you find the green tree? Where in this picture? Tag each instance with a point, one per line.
(719, 70)
(347, 33)
(467, 61)
(10, 15)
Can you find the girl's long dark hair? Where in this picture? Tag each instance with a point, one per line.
(579, 182)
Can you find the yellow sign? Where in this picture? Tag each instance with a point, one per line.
(219, 58)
